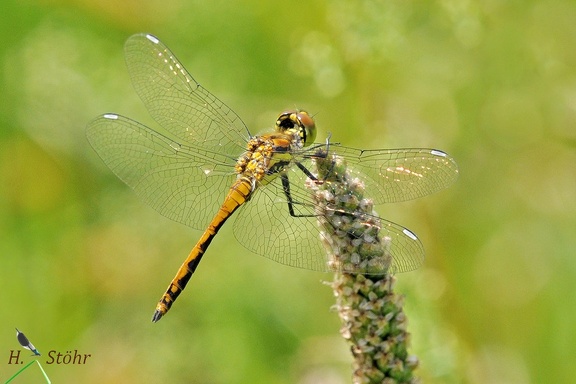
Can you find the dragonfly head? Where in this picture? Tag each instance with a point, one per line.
(299, 122)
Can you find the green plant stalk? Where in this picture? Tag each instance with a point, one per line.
(25, 367)
(373, 321)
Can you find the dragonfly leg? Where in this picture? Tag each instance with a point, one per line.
(286, 189)
(321, 152)
(306, 172)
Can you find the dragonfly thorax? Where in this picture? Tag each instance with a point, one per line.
(255, 161)
(267, 155)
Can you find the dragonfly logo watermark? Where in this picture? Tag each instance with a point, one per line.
(23, 340)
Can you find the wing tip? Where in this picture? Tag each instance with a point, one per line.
(110, 116)
(437, 152)
(152, 38)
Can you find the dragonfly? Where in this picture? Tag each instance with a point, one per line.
(202, 165)
(23, 340)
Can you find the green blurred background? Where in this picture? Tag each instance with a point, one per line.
(83, 262)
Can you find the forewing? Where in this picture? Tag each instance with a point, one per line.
(394, 175)
(185, 183)
(177, 102)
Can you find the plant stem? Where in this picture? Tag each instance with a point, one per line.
(373, 321)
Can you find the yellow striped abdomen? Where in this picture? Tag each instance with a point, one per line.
(239, 193)
(265, 157)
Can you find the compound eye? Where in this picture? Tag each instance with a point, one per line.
(305, 120)
(307, 123)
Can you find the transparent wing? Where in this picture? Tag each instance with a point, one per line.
(393, 175)
(185, 183)
(177, 102)
(265, 226)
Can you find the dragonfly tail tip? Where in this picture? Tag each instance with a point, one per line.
(157, 316)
